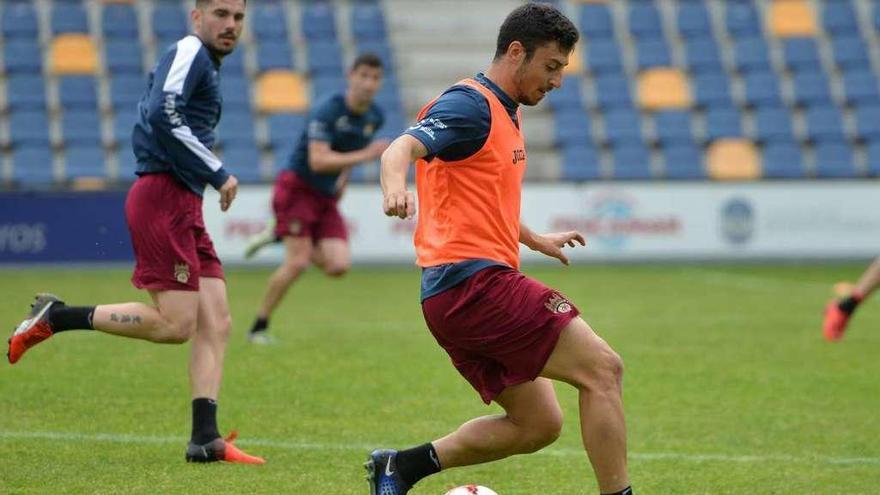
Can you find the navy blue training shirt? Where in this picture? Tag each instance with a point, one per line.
(177, 116)
(454, 128)
(333, 122)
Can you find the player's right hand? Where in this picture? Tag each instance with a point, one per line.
(228, 192)
(401, 204)
(377, 147)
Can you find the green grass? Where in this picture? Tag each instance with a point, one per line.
(729, 388)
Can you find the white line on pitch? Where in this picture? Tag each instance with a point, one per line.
(558, 451)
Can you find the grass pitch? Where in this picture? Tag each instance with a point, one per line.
(729, 388)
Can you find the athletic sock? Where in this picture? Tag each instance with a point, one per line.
(204, 425)
(849, 304)
(416, 463)
(63, 318)
(260, 325)
(626, 491)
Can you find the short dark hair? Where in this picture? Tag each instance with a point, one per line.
(369, 59)
(201, 3)
(533, 25)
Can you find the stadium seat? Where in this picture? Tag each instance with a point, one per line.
(850, 52)
(644, 20)
(126, 91)
(604, 56)
(368, 22)
(751, 54)
(84, 161)
(274, 55)
(169, 23)
(834, 160)
(269, 22)
(791, 18)
(233, 66)
(783, 160)
(683, 161)
(712, 90)
(623, 126)
(124, 56)
(68, 17)
(284, 130)
(73, 54)
(318, 21)
(19, 21)
(580, 162)
(860, 87)
(78, 92)
(723, 122)
(123, 124)
(572, 126)
(26, 92)
(801, 54)
(281, 92)
(762, 88)
(595, 21)
(631, 161)
(119, 21)
(868, 122)
(32, 166)
(236, 128)
(243, 161)
(693, 20)
(663, 88)
(825, 123)
(811, 88)
(741, 18)
(702, 55)
(236, 92)
(873, 153)
(838, 17)
(22, 56)
(81, 127)
(325, 58)
(29, 127)
(733, 159)
(652, 52)
(568, 95)
(612, 91)
(673, 127)
(773, 123)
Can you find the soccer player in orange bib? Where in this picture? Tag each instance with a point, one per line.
(507, 334)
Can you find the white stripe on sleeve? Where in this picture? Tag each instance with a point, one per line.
(185, 135)
(187, 48)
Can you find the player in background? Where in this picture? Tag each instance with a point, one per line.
(339, 135)
(507, 334)
(839, 311)
(175, 258)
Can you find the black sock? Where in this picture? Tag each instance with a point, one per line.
(204, 427)
(849, 304)
(62, 317)
(626, 491)
(416, 463)
(260, 325)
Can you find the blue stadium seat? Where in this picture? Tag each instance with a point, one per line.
(169, 23)
(29, 127)
(126, 91)
(325, 58)
(762, 88)
(595, 21)
(285, 129)
(825, 123)
(644, 20)
(124, 56)
(711, 90)
(78, 91)
(783, 160)
(723, 122)
(269, 22)
(127, 163)
(19, 21)
(623, 126)
(580, 162)
(25, 92)
(32, 166)
(236, 92)
(69, 17)
(236, 128)
(684, 161)
(388, 97)
(318, 21)
(382, 49)
(243, 161)
(568, 95)
(703, 55)
(838, 17)
(395, 123)
(572, 126)
(811, 88)
(693, 20)
(873, 152)
(233, 65)
(652, 52)
(850, 52)
(274, 55)
(84, 161)
(773, 124)
(23, 56)
(368, 22)
(801, 54)
(751, 54)
(876, 17)
(741, 18)
(81, 127)
(612, 91)
(324, 86)
(868, 122)
(860, 86)
(834, 159)
(119, 21)
(632, 161)
(603, 56)
(123, 124)
(673, 127)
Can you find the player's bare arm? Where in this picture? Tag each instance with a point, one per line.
(398, 202)
(322, 159)
(550, 244)
(228, 192)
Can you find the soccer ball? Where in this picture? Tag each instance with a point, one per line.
(471, 490)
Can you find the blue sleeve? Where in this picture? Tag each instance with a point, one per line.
(322, 121)
(456, 126)
(177, 79)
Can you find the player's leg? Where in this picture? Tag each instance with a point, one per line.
(838, 312)
(332, 256)
(297, 256)
(582, 359)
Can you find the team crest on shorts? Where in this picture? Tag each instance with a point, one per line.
(295, 227)
(181, 272)
(558, 304)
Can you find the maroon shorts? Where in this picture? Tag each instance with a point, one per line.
(499, 327)
(171, 247)
(303, 211)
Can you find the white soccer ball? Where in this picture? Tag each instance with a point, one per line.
(471, 490)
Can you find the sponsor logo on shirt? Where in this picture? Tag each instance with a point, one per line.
(427, 126)
(558, 304)
(181, 272)
(519, 155)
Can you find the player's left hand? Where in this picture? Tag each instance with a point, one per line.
(552, 244)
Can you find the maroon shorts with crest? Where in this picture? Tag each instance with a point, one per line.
(172, 249)
(499, 327)
(303, 211)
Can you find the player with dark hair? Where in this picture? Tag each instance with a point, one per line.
(839, 311)
(507, 334)
(339, 135)
(175, 258)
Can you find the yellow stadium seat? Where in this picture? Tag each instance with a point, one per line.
(89, 184)
(281, 91)
(792, 18)
(73, 54)
(734, 159)
(575, 61)
(664, 88)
